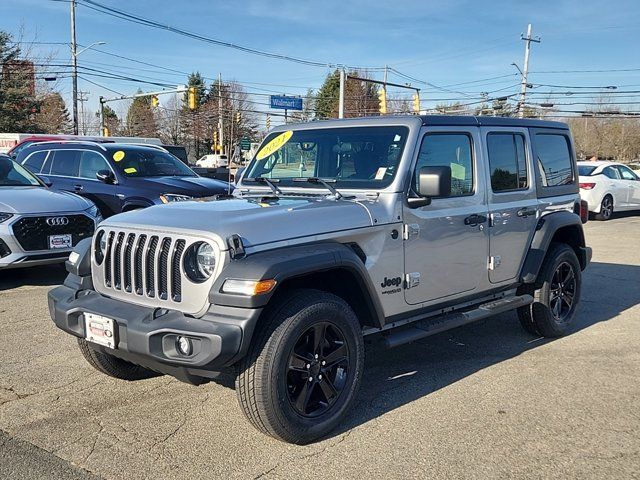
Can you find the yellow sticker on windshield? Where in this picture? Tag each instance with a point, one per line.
(458, 171)
(130, 170)
(274, 145)
(119, 155)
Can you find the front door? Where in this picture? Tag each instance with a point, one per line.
(513, 206)
(632, 182)
(446, 242)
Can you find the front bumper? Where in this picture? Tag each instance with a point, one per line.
(147, 336)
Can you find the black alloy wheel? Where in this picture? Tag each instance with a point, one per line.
(318, 369)
(562, 291)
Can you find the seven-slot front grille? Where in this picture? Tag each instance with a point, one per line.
(32, 233)
(144, 265)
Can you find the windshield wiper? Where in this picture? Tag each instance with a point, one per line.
(324, 183)
(270, 183)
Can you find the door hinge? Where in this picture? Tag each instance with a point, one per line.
(494, 262)
(412, 280)
(410, 231)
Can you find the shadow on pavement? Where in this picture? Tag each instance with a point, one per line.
(397, 377)
(48, 275)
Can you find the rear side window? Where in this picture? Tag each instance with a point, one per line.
(554, 160)
(91, 163)
(507, 161)
(612, 173)
(448, 150)
(65, 162)
(35, 160)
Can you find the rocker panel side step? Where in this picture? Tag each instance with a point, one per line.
(431, 326)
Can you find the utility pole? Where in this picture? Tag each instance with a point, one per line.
(102, 132)
(220, 124)
(74, 60)
(341, 103)
(83, 97)
(525, 71)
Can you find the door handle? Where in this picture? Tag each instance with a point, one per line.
(525, 212)
(474, 220)
(78, 188)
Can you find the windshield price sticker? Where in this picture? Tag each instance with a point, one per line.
(130, 170)
(119, 155)
(274, 145)
(458, 171)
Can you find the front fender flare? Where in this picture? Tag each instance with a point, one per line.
(290, 262)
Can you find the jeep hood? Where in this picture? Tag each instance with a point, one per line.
(257, 220)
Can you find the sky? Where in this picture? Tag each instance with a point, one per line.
(452, 49)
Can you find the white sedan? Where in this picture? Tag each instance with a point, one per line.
(608, 186)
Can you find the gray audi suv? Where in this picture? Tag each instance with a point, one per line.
(38, 225)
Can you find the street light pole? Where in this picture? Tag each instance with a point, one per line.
(74, 63)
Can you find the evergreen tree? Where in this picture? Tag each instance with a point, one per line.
(53, 116)
(328, 96)
(17, 99)
(111, 121)
(141, 121)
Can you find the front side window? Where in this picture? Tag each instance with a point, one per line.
(627, 173)
(351, 157)
(91, 163)
(554, 160)
(14, 175)
(35, 160)
(448, 150)
(507, 161)
(65, 163)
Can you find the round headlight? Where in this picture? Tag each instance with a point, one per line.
(100, 246)
(200, 261)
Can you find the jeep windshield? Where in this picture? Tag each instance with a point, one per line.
(348, 157)
(146, 162)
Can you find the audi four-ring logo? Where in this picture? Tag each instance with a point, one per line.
(57, 221)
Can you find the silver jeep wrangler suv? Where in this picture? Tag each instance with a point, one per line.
(396, 226)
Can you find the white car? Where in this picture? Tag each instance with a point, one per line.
(213, 161)
(608, 186)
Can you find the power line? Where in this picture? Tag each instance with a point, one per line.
(121, 14)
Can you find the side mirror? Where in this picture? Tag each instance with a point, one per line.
(47, 181)
(105, 176)
(432, 182)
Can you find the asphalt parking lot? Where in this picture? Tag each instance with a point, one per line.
(482, 401)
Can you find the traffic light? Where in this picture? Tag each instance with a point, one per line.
(105, 132)
(416, 102)
(154, 101)
(215, 140)
(192, 98)
(268, 122)
(238, 117)
(382, 97)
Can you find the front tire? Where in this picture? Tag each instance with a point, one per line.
(556, 294)
(606, 209)
(303, 369)
(113, 366)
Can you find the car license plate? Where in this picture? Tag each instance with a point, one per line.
(100, 330)
(60, 241)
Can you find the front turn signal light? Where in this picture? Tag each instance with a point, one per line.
(247, 288)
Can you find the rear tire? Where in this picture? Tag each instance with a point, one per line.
(606, 209)
(113, 366)
(556, 295)
(304, 367)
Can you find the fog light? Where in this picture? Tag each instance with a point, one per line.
(74, 257)
(183, 345)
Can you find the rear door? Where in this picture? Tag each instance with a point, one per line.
(513, 205)
(446, 242)
(62, 168)
(616, 186)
